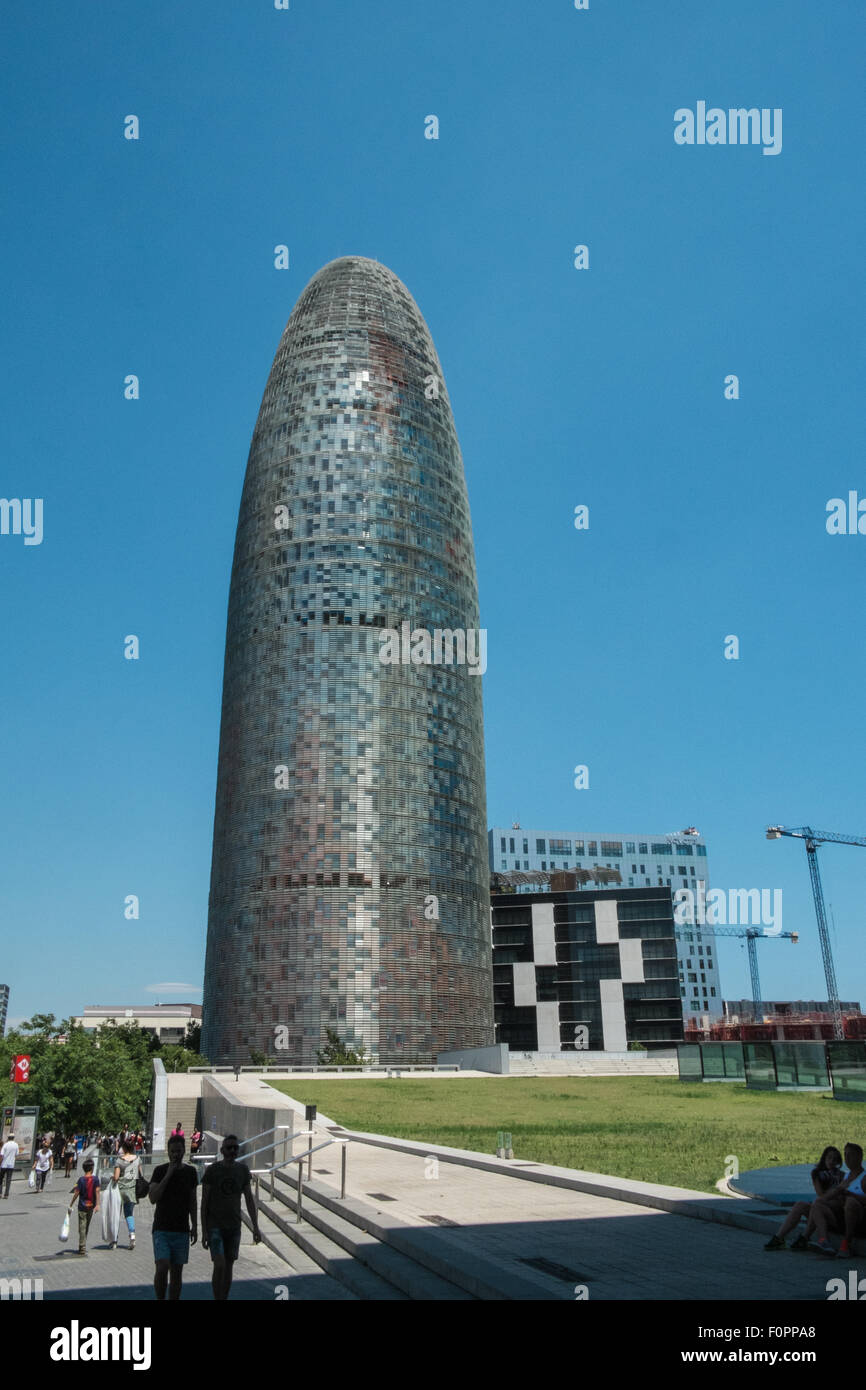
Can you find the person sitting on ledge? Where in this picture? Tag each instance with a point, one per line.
(854, 1209)
(826, 1176)
(830, 1212)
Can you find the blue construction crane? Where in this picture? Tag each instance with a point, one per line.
(751, 935)
(813, 839)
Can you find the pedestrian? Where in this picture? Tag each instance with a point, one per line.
(42, 1164)
(126, 1170)
(223, 1185)
(87, 1188)
(196, 1142)
(173, 1188)
(8, 1155)
(139, 1142)
(177, 1132)
(69, 1154)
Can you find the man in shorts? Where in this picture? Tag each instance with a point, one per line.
(173, 1189)
(223, 1185)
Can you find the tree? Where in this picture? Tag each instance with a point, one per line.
(192, 1041)
(178, 1058)
(258, 1058)
(337, 1053)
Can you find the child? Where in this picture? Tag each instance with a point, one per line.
(87, 1188)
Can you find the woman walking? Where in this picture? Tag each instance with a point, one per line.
(69, 1154)
(126, 1169)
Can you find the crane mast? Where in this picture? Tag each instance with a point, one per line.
(814, 838)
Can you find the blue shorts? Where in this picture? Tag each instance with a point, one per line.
(226, 1243)
(172, 1246)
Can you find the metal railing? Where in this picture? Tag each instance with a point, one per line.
(307, 1155)
(389, 1067)
(259, 1173)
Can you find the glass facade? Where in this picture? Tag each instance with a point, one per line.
(637, 957)
(349, 884)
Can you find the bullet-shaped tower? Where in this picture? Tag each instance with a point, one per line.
(349, 883)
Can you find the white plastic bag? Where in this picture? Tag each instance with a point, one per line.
(64, 1229)
(31, 1179)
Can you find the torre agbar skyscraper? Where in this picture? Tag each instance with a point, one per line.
(349, 883)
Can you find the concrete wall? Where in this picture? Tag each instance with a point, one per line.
(492, 1059)
(222, 1113)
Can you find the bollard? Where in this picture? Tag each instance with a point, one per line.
(343, 1173)
(300, 1188)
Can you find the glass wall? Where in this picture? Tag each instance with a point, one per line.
(847, 1069)
(760, 1066)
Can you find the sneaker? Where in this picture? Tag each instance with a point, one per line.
(775, 1243)
(132, 1241)
(844, 1252)
(823, 1247)
(801, 1243)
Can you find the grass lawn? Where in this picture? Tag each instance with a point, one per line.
(655, 1129)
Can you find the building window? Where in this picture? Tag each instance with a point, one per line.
(540, 847)
(713, 991)
(641, 849)
(578, 847)
(560, 847)
(629, 846)
(511, 845)
(693, 980)
(661, 848)
(544, 865)
(612, 847)
(502, 844)
(592, 849)
(525, 846)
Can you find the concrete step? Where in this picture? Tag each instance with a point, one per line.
(310, 1253)
(445, 1256)
(410, 1277)
(298, 1261)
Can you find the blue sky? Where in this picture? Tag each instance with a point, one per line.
(603, 387)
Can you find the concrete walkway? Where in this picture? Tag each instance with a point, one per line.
(30, 1248)
(615, 1249)
(619, 1250)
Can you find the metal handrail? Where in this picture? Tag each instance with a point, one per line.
(299, 1158)
(265, 1148)
(263, 1134)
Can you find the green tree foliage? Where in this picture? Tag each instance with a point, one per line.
(336, 1053)
(83, 1081)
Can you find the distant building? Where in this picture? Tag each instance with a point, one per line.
(600, 961)
(639, 861)
(4, 1008)
(168, 1022)
(747, 1009)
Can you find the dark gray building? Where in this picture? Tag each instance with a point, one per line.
(349, 885)
(600, 961)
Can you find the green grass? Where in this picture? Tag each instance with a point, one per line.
(654, 1129)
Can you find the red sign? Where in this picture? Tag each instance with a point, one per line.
(20, 1069)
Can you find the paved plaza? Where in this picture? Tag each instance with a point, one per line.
(30, 1247)
(552, 1235)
